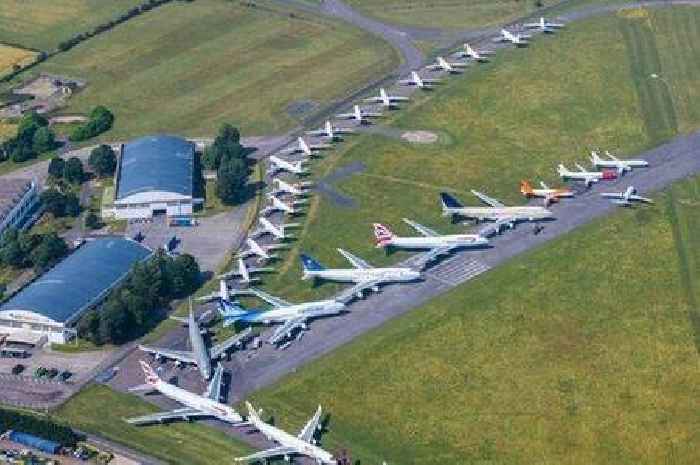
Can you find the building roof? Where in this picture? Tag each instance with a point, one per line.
(80, 280)
(156, 163)
(11, 192)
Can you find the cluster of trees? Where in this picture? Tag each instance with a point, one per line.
(138, 304)
(65, 175)
(101, 120)
(38, 426)
(33, 138)
(60, 204)
(228, 157)
(135, 11)
(20, 249)
(103, 161)
(70, 171)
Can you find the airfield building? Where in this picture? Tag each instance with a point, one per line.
(51, 306)
(155, 176)
(18, 201)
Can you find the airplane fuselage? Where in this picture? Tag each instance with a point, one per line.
(456, 240)
(203, 404)
(199, 348)
(497, 213)
(287, 440)
(625, 165)
(306, 310)
(382, 275)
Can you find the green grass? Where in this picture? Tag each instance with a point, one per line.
(189, 67)
(42, 24)
(579, 352)
(99, 410)
(512, 119)
(8, 166)
(78, 346)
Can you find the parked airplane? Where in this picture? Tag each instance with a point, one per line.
(278, 164)
(277, 204)
(298, 189)
(359, 115)
(437, 243)
(519, 40)
(626, 198)
(289, 445)
(328, 131)
(307, 149)
(200, 355)
(364, 275)
(387, 101)
(416, 80)
(544, 26)
(615, 163)
(476, 55)
(292, 316)
(276, 230)
(244, 272)
(261, 251)
(207, 405)
(496, 211)
(443, 65)
(549, 194)
(589, 177)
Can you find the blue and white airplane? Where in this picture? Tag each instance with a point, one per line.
(292, 316)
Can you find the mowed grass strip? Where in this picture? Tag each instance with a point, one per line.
(578, 352)
(43, 24)
(192, 66)
(14, 56)
(101, 411)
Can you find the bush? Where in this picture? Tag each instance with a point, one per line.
(101, 120)
(92, 221)
(49, 251)
(42, 427)
(103, 161)
(56, 167)
(73, 171)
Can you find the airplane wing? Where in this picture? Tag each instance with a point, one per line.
(423, 259)
(613, 195)
(488, 200)
(639, 198)
(307, 432)
(355, 261)
(350, 293)
(213, 391)
(270, 299)
(180, 355)
(219, 349)
(288, 326)
(420, 228)
(160, 417)
(269, 453)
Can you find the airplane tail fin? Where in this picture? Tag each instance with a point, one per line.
(309, 264)
(525, 188)
(448, 201)
(383, 235)
(151, 377)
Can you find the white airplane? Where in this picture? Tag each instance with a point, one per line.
(222, 294)
(496, 211)
(278, 164)
(387, 101)
(437, 243)
(626, 198)
(416, 80)
(364, 275)
(450, 67)
(200, 355)
(519, 40)
(278, 231)
(330, 132)
(292, 316)
(277, 204)
(615, 163)
(298, 189)
(469, 52)
(303, 443)
(588, 177)
(359, 115)
(244, 273)
(307, 149)
(261, 251)
(207, 405)
(544, 26)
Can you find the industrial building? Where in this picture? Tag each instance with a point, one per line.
(155, 176)
(18, 201)
(51, 305)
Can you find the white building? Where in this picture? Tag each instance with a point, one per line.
(18, 201)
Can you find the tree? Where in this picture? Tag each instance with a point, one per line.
(101, 120)
(89, 327)
(15, 248)
(184, 275)
(49, 251)
(56, 167)
(72, 204)
(114, 322)
(44, 140)
(103, 160)
(92, 221)
(227, 145)
(54, 202)
(73, 171)
(232, 181)
(22, 152)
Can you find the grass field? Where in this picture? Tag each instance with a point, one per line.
(42, 24)
(11, 56)
(588, 359)
(189, 67)
(99, 410)
(513, 119)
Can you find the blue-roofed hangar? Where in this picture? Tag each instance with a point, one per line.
(155, 176)
(51, 305)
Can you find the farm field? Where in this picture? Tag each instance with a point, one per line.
(597, 363)
(176, 443)
(11, 56)
(502, 122)
(42, 24)
(189, 67)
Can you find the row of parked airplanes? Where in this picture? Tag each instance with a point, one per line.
(295, 316)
